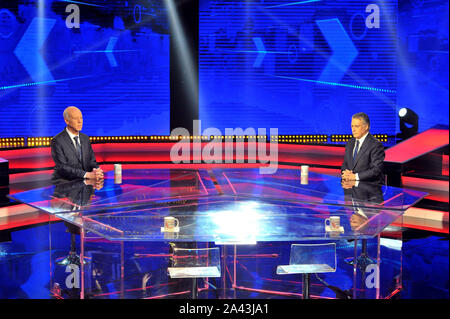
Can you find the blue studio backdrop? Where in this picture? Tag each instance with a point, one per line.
(303, 67)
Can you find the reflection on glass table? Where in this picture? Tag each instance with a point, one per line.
(195, 263)
(138, 186)
(223, 205)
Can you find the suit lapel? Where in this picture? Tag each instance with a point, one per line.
(71, 146)
(362, 149)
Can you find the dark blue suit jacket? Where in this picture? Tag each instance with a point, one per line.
(67, 164)
(369, 161)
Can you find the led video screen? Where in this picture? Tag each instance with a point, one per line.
(423, 60)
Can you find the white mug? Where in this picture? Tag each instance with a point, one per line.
(170, 223)
(304, 170)
(117, 179)
(334, 223)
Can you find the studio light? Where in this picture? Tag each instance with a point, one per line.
(409, 123)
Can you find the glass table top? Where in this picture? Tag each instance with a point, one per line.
(226, 205)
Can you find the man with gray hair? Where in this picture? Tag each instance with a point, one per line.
(364, 154)
(72, 151)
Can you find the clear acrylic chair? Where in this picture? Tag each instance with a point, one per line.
(307, 259)
(195, 263)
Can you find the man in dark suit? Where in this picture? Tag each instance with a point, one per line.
(363, 192)
(362, 195)
(72, 151)
(364, 154)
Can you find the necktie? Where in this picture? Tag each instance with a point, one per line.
(356, 150)
(77, 147)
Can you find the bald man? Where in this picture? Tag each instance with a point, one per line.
(72, 151)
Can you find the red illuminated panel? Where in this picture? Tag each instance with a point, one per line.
(110, 167)
(311, 154)
(417, 145)
(30, 176)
